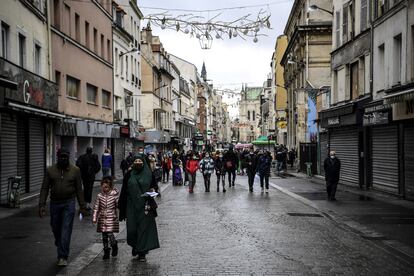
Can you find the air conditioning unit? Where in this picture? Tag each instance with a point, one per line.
(118, 115)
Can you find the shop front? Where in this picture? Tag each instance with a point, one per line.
(156, 140)
(28, 110)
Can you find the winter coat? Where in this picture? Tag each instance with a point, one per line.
(207, 166)
(332, 169)
(263, 164)
(219, 166)
(166, 164)
(106, 160)
(250, 162)
(231, 160)
(192, 166)
(105, 211)
(89, 165)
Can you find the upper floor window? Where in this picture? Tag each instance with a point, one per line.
(397, 49)
(37, 59)
(56, 13)
(338, 28)
(72, 87)
(87, 42)
(22, 50)
(106, 98)
(91, 93)
(77, 27)
(5, 31)
(364, 14)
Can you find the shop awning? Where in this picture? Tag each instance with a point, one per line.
(262, 140)
(399, 96)
(33, 110)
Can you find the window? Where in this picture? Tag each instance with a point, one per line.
(119, 18)
(254, 115)
(72, 87)
(37, 59)
(364, 14)
(248, 115)
(381, 64)
(66, 21)
(354, 81)
(338, 29)
(95, 40)
(77, 27)
(102, 46)
(122, 64)
(56, 13)
(22, 50)
(397, 60)
(5, 30)
(126, 68)
(87, 42)
(345, 23)
(361, 76)
(91, 93)
(108, 50)
(116, 61)
(106, 98)
(57, 80)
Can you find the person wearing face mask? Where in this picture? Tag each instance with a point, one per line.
(64, 182)
(207, 168)
(220, 169)
(250, 162)
(332, 166)
(263, 168)
(142, 234)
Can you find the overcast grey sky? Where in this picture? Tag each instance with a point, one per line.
(229, 62)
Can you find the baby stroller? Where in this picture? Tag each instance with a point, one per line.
(177, 176)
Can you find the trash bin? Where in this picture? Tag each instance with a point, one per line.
(309, 168)
(13, 191)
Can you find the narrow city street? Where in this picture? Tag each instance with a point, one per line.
(242, 233)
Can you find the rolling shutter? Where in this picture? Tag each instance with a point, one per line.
(21, 152)
(409, 161)
(36, 154)
(8, 147)
(385, 158)
(344, 142)
(119, 154)
(323, 151)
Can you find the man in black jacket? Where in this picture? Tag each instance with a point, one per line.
(332, 166)
(231, 161)
(250, 162)
(89, 166)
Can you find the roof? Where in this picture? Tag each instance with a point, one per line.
(253, 93)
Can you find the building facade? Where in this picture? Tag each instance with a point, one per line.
(28, 96)
(249, 113)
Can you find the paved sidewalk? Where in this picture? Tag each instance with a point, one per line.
(376, 216)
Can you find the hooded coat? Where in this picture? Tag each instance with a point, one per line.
(105, 211)
(142, 231)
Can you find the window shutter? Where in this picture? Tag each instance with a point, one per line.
(364, 12)
(338, 29)
(345, 23)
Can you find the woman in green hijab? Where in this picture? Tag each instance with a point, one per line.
(139, 211)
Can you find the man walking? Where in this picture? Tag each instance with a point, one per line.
(106, 163)
(250, 161)
(231, 161)
(207, 168)
(263, 168)
(332, 166)
(64, 182)
(89, 166)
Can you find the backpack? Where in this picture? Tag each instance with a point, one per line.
(229, 164)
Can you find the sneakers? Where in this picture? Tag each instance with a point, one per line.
(262, 190)
(142, 258)
(62, 262)
(267, 190)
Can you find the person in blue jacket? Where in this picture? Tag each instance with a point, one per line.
(107, 163)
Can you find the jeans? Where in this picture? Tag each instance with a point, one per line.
(106, 172)
(61, 220)
(165, 172)
(108, 237)
(223, 178)
(331, 189)
(250, 176)
(232, 172)
(192, 181)
(207, 181)
(264, 178)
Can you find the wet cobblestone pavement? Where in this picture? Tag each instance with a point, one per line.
(242, 233)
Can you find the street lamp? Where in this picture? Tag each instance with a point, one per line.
(315, 7)
(130, 51)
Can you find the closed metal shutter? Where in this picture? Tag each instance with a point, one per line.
(409, 161)
(8, 140)
(119, 154)
(344, 142)
(36, 154)
(385, 158)
(323, 151)
(21, 152)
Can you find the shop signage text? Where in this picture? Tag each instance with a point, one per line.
(334, 121)
(376, 118)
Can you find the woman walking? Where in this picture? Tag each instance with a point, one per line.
(192, 167)
(142, 233)
(219, 167)
(207, 168)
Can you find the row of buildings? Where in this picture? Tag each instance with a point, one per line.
(85, 73)
(343, 78)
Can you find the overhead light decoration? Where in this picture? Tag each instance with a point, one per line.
(244, 27)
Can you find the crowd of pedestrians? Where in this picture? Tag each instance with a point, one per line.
(141, 175)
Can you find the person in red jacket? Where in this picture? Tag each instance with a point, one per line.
(166, 167)
(192, 167)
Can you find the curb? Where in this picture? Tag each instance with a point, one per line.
(89, 254)
(400, 250)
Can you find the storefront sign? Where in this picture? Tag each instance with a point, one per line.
(31, 89)
(376, 118)
(380, 107)
(124, 130)
(334, 121)
(403, 110)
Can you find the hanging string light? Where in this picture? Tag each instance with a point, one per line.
(202, 28)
